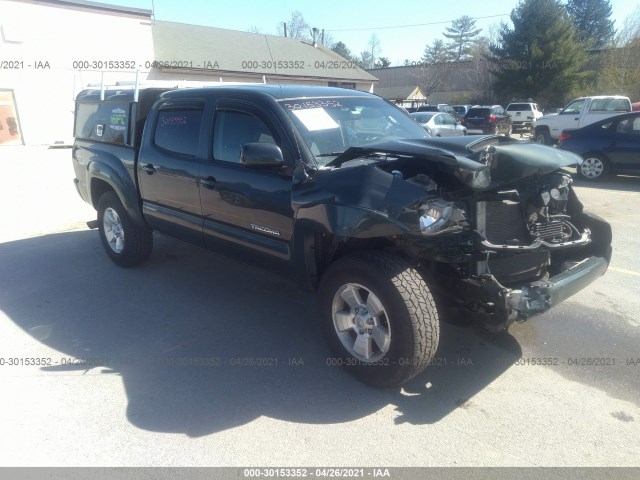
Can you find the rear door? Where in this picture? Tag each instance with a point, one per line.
(247, 211)
(623, 149)
(168, 169)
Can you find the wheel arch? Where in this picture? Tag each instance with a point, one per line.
(104, 178)
(322, 235)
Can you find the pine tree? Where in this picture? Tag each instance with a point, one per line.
(462, 34)
(341, 49)
(592, 21)
(437, 52)
(541, 56)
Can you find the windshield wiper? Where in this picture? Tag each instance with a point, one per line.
(331, 154)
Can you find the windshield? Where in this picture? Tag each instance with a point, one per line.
(518, 106)
(329, 126)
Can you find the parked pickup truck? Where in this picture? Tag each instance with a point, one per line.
(344, 192)
(578, 113)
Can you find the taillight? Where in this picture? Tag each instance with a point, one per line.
(492, 118)
(461, 120)
(564, 136)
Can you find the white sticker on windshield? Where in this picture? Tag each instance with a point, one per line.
(315, 119)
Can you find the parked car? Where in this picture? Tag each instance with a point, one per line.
(441, 107)
(608, 146)
(523, 116)
(439, 124)
(461, 110)
(487, 120)
(579, 113)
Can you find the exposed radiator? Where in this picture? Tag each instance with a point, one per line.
(505, 223)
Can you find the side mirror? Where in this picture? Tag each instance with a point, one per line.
(261, 155)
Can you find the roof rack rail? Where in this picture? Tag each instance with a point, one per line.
(136, 85)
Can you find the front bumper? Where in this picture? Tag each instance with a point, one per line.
(538, 297)
(519, 125)
(575, 266)
(498, 306)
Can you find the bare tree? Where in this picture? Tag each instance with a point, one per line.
(431, 73)
(621, 73)
(297, 27)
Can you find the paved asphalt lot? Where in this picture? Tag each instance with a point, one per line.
(137, 404)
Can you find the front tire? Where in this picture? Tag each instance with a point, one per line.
(379, 316)
(125, 243)
(543, 136)
(593, 167)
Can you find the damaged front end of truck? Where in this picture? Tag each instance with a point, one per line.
(493, 225)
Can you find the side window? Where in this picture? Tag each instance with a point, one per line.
(448, 120)
(573, 108)
(178, 131)
(232, 130)
(104, 122)
(629, 126)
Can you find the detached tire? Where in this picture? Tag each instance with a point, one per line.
(126, 243)
(379, 316)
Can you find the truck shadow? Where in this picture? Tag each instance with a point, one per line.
(204, 344)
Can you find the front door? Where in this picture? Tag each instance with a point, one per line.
(247, 211)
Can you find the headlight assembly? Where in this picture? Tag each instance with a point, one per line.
(439, 216)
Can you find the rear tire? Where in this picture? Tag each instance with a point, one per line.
(593, 167)
(126, 243)
(379, 316)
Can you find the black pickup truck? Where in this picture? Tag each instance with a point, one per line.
(344, 192)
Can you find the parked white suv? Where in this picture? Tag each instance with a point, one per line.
(578, 113)
(523, 115)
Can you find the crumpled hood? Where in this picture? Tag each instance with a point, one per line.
(508, 161)
(517, 160)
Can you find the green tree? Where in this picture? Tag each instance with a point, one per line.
(436, 52)
(431, 73)
(461, 34)
(592, 19)
(540, 57)
(383, 62)
(341, 49)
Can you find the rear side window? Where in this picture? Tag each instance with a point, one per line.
(610, 105)
(478, 112)
(178, 131)
(103, 122)
(518, 106)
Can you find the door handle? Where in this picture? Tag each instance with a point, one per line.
(150, 168)
(209, 182)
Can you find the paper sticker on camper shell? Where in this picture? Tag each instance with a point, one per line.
(118, 119)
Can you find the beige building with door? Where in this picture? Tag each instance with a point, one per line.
(52, 49)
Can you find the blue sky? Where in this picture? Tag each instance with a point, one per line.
(343, 18)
